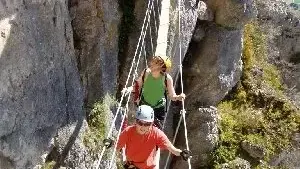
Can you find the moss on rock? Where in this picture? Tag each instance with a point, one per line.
(257, 110)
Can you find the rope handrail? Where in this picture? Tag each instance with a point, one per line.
(181, 81)
(110, 131)
(145, 57)
(151, 43)
(154, 16)
(134, 75)
(127, 80)
(150, 30)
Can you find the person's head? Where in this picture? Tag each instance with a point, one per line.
(160, 63)
(144, 118)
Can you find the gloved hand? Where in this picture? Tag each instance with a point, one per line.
(127, 90)
(108, 142)
(186, 154)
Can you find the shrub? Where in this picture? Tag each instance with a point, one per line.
(98, 124)
(48, 165)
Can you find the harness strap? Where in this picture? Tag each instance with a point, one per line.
(143, 78)
(143, 102)
(166, 96)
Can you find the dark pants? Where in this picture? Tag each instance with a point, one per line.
(159, 117)
(130, 166)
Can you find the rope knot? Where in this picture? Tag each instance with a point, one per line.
(182, 111)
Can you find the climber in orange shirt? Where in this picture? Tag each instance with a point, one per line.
(142, 139)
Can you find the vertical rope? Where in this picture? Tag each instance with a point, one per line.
(181, 81)
(143, 40)
(145, 57)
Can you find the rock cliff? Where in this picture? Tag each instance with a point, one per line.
(59, 57)
(40, 85)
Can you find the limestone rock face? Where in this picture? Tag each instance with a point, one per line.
(40, 88)
(281, 26)
(289, 158)
(232, 13)
(134, 44)
(96, 35)
(213, 62)
(214, 65)
(68, 149)
(188, 19)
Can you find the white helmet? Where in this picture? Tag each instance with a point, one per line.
(145, 113)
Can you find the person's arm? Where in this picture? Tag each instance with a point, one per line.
(171, 91)
(164, 143)
(173, 149)
(139, 81)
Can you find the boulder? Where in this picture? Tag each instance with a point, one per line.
(232, 13)
(238, 163)
(213, 66)
(255, 151)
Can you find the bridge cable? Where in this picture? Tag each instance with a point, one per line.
(129, 74)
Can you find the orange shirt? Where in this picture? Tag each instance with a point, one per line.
(141, 149)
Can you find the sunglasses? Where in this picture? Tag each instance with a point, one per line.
(140, 123)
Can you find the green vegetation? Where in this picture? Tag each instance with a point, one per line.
(119, 164)
(256, 110)
(98, 124)
(48, 165)
(255, 58)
